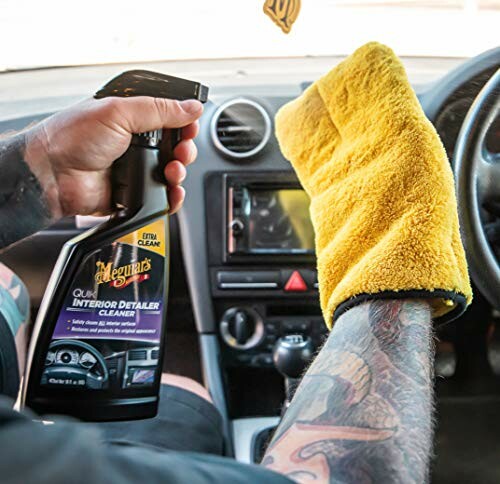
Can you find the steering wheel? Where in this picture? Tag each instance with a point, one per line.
(69, 371)
(477, 174)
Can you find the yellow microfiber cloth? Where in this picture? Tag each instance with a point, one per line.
(382, 195)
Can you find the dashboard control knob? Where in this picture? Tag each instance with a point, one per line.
(237, 227)
(242, 328)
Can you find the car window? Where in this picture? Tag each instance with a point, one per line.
(58, 32)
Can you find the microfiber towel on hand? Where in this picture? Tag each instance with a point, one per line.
(383, 202)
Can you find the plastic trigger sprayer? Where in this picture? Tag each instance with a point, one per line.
(97, 347)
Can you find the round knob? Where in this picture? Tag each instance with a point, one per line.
(237, 227)
(292, 354)
(242, 328)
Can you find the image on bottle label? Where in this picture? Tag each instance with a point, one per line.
(109, 330)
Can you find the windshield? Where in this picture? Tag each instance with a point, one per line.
(61, 32)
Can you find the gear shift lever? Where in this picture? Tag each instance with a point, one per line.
(291, 355)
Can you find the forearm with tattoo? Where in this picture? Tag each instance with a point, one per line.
(23, 207)
(363, 411)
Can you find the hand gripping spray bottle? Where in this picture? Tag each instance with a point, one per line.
(97, 346)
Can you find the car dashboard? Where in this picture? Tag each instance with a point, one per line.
(245, 237)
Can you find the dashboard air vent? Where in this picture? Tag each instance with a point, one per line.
(137, 355)
(240, 128)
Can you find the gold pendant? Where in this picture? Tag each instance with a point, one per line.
(282, 12)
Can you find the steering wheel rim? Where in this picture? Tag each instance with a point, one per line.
(477, 175)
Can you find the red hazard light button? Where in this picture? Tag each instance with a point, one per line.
(295, 283)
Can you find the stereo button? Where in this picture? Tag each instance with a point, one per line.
(272, 328)
(248, 280)
(237, 227)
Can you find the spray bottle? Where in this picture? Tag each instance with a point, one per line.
(97, 347)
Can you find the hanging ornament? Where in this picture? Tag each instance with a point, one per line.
(282, 12)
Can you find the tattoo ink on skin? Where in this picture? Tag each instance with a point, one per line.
(363, 411)
(23, 207)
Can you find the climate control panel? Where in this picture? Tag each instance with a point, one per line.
(249, 332)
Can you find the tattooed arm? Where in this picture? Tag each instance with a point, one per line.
(363, 411)
(24, 208)
(60, 167)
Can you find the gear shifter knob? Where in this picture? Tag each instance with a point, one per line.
(291, 355)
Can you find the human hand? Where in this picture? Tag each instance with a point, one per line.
(71, 153)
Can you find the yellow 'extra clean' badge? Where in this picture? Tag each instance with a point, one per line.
(150, 237)
(282, 12)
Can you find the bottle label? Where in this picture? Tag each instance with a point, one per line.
(108, 332)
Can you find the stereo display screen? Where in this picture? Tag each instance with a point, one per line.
(279, 221)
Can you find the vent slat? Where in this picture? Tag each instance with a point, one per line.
(235, 129)
(230, 138)
(243, 148)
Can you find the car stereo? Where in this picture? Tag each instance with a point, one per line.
(262, 266)
(267, 217)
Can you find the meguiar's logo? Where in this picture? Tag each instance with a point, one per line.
(282, 12)
(122, 276)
